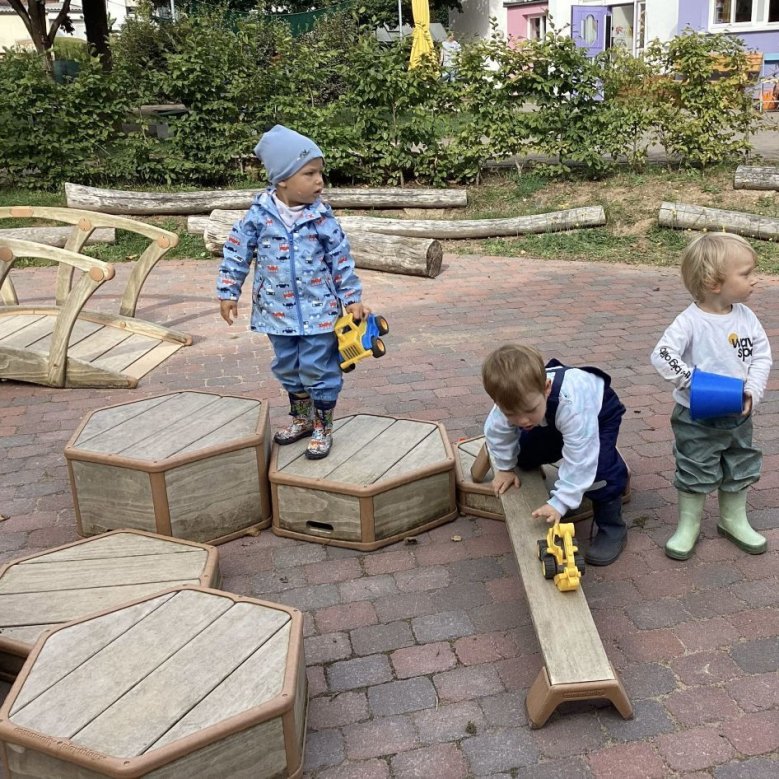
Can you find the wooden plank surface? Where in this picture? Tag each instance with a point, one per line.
(242, 425)
(107, 418)
(11, 323)
(412, 505)
(572, 649)
(77, 699)
(126, 353)
(114, 547)
(132, 723)
(81, 331)
(98, 343)
(427, 452)
(149, 361)
(296, 451)
(36, 329)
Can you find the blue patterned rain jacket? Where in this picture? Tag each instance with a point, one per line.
(301, 276)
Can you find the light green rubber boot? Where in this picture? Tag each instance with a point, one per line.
(733, 523)
(680, 545)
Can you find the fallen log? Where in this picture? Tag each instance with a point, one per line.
(115, 201)
(554, 221)
(685, 216)
(57, 236)
(756, 177)
(372, 251)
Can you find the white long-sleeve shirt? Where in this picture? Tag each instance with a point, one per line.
(581, 398)
(733, 344)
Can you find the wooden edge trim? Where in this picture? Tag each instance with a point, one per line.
(159, 499)
(367, 521)
(249, 530)
(138, 766)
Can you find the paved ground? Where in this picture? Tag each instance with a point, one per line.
(419, 656)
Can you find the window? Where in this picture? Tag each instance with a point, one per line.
(589, 31)
(734, 11)
(773, 11)
(536, 27)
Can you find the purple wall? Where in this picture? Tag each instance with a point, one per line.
(693, 13)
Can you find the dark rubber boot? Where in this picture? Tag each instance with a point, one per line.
(611, 533)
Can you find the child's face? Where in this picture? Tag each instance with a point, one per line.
(532, 411)
(303, 187)
(740, 279)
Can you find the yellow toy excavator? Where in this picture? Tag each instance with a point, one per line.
(559, 559)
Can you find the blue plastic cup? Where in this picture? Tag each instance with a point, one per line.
(713, 395)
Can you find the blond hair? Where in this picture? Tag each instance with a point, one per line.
(511, 373)
(705, 258)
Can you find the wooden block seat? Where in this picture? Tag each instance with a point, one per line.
(44, 590)
(575, 663)
(478, 499)
(185, 464)
(385, 478)
(190, 683)
(63, 344)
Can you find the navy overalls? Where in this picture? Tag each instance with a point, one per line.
(544, 444)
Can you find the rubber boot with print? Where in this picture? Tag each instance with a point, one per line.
(322, 438)
(302, 424)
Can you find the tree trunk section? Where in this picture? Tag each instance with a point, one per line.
(371, 251)
(754, 177)
(684, 216)
(96, 24)
(114, 201)
(554, 221)
(57, 236)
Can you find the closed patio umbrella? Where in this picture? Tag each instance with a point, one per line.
(422, 42)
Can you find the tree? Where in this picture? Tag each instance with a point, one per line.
(96, 23)
(33, 14)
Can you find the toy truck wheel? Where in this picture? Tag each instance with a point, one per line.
(382, 324)
(549, 565)
(541, 548)
(578, 561)
(377, 347)
(348, 368)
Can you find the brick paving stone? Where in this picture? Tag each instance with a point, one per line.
(701, 705)
(311, 598)
(756, 693)
(388, 562)
(499, 616)
(757, 657)
(570, 732)
(368, 588)
(444, 760)
(756, 623)
(518, 673)
(658, 614)
(402, 697)
(754, 734)
(504, 709)
(462, 596)
(346, 617)
(364, 769)
(362, 672)
(507, 590)
(756, 768)
(485, 648)
(648, 680)
(705, 668)
(649, 719)
(694, 750)
(380, 736)
(449, 722)
(711, 603)
(374, 639)
(431, 577)
(465, 683)
(442, 626)
(403, 606)
(317, 684)
(327, 648)
(475, 570)
(627, 761)
(572, 768)
(330, 571)
(706, 634)
(423, 660)
(758, 593)
(334, 711)
(499, 750)
(323, 748)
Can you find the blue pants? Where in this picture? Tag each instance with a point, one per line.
(543, 445)
(308, 364)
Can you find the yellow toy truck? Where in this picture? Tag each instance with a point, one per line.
(559, 559)
(357, 340)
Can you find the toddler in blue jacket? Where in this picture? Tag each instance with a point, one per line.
(304, 274)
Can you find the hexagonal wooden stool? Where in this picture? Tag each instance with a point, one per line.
(384, 479)
(478, 499)
(191, 683)
(46, 589)
(186, 464)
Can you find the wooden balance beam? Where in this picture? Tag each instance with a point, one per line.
(575, 663)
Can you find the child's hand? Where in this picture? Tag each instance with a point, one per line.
(504, 480)
(358, 310)
(549, 513)
(229, 310)
(747, 405)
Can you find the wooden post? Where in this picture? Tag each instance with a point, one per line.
(480, 465)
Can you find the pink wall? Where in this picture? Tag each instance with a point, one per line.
(516, 18)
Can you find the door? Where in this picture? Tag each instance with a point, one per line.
(588, 27)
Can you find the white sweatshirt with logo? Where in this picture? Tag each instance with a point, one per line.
(733, 344)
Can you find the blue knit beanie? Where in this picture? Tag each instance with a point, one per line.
(284, 152)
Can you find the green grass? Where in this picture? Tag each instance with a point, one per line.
(631, 201)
